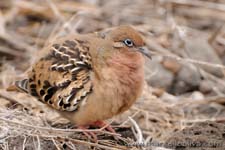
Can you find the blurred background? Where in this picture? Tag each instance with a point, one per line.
(184, 94)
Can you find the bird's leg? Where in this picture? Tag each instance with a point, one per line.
(89, 134)
(102, 124)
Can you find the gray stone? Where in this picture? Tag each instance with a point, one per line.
(205, 86)
(157, 76)
(188, 79)
(198, 48)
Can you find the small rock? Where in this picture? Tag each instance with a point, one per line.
(188, 79)
(196, 95)
(171, 65)
(205, 86)
(157, 76)
(166, 97)
(158, 92)
(199, 49)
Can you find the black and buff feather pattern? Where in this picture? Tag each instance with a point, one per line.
(65, 83)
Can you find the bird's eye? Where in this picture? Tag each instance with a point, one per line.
(128, 42)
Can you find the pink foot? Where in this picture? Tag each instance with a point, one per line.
(102, 124)
(99, 124)
(90, 135)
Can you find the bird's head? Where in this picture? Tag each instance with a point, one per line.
(127, 39)
(120, 46)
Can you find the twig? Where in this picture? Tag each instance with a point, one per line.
(138, 134)
(195, 61)
(56, 145)
(16, 42)
(24, 143)
(213, 78)
(67, 26)
(215, 34)
(55, 10)
(214, 99)
(55, 130)
(132, 116)
(203, 120)
(198, 3)
(11, 52)
(38, 143)
(9, 98)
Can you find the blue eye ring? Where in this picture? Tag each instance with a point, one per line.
(128, 42)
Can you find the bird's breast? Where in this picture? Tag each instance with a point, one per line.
(116, 88)
(121, 82)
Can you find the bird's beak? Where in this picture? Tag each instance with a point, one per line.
(145, 51)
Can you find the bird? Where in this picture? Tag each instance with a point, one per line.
(89, 78)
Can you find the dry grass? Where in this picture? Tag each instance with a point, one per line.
(167, 25)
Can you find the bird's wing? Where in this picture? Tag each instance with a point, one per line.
(61, 78)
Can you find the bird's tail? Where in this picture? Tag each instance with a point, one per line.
(20, 86)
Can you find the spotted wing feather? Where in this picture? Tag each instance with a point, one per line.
(62, 77)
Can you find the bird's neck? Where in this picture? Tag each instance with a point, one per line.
(127, 65)
(129, 61)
